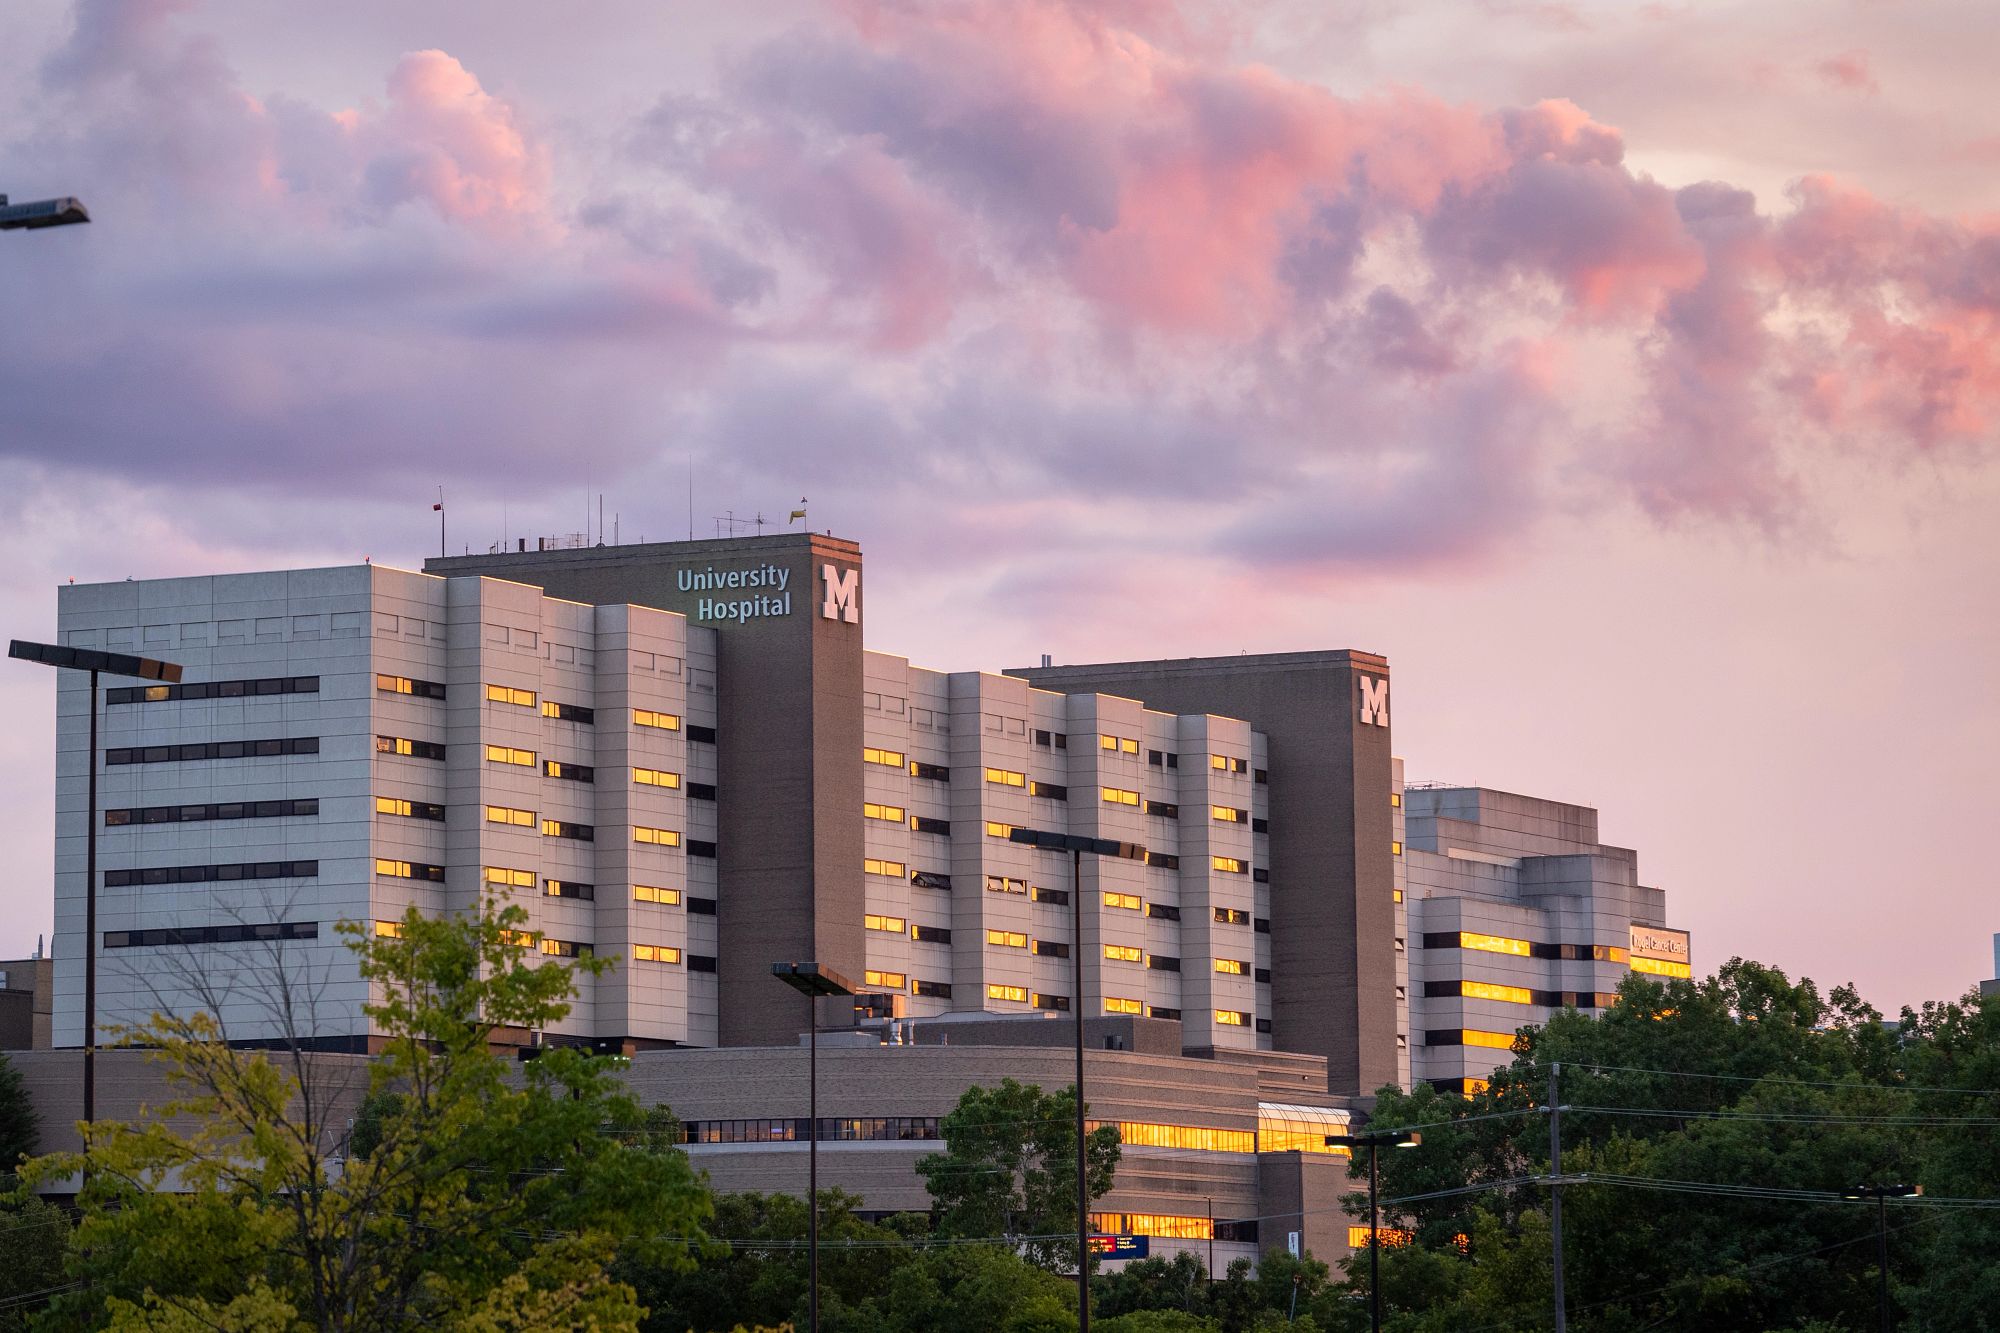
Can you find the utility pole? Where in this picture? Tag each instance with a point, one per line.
(1555, 1191)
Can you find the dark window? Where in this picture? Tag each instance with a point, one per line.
(230, 934)
(162, 754)
(1062, 741)
(1054, 897)
(706, 735)
(930, 772)
(403, 745)
(1042, 739)
(423, 689)
(701, 962)
(1263, 775)
(568, 772)
(1232, 916)
(418, 870)
(563, 888)
(1156, 759)
(930, 879)
(1262, 925)
(700, 847)
(212, 689)
(1264, 975)
(1164, 911)
(930, 934)
(1164, 860)
(1173, 760)
(568, 712)
(1444, 1037)
(1260, 875)
(1264, 1026)
(210, 874)
(556, 828)
(1242, 1233)
(1260, 826)
(1440, 939)
(937, 990)
(1161, 963)
(1052, 1002)
(1159, 1011)
(701, 791)
(1048, 791)
(1164, 809)
(565, 948)
(701, 906)
(1051, 949)
(188, 814)
(925, 824)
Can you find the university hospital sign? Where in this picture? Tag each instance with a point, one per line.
(771, 585)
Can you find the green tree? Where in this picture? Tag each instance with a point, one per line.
(490, 1195)
(34, 1241)
(20, 1127)
(1009, 1169)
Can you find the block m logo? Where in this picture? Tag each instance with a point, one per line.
(1374, 701)
(841, 602)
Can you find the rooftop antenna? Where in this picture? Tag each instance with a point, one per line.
(690, 497)
(439, 506)
(760, 522)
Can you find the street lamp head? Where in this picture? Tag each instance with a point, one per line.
(89, 659)
(1051, 841)
(1411, 1139)
(812, 979)
(40, 213)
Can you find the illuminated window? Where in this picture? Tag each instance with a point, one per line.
(513, 879)
(875, 865)
(1234, 967)
(502, 814)
(396, 805)
(568, 712)
(1118, 744)
(1499, 1041)
(1232, 916)
(507, 694)
(1007, 939)
(647, 893)
(1395, 798)
(1229, 864)
(1227, 815)
(562, 828)
(656, 837)
(892, 980)
(409, 870)
(390, 805)
(1124, 953)
(655, 777)
(1232, 1018)
(1119, 796)
(1486, 990)
(997, 992)
(888, 814)
(1493, 944)
(1224, 763)
(1168, 1225)
(656, 953)
(569, 888)
(564, 948)
(646, 717)
(1129, 901)
(520, 939)
(423, 689)
(1391, 1237)
(1006, 777)
(1660, 967)
(1395, 848)
(503, 754)
(1395, 895)
(1005, 884)
(1117, 1004)
(389, 930)
(1284, 1127)
(569, 772)
(886, 758)
(998, 830)
(894, 925)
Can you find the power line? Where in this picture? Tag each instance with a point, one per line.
(1775, 1081)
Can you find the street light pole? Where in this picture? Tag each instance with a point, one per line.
(1881, 1194)
(812, 980)
(1405, 1138)
(118, 664)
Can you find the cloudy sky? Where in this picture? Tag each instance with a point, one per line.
(1627, 373)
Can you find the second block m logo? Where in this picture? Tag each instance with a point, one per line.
(1374, 700)
(842, 589)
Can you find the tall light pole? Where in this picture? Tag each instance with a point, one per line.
(1881, 1194)
(1076, 845)
(1403, 1138)
(33, 216)
(118, 664)
(812, 980)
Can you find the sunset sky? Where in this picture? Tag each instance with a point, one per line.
(1628, 374)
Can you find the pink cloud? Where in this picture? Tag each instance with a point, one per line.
(447, 141)
(1849, 72)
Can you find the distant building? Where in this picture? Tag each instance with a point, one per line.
(27, 999)
(1992, 987)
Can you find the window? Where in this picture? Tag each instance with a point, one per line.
(564, 888)
(1232, 916)
(888, 814)
(565, 948)
(501, 814)
(936, 990)
(1395, 848)
(1057, 1002)
(1660, 967)
(701, 791)
(396, 805)
(1232, 966)
(510, 879)
(1118, 744)
(1226, 764)
(646, 717)
(212, 874)
(568, 772)
(568, 712)
(924, 824)
(1228, 865)
(1051, 949)
(648, 893)
(1163, 860)
(1262, 925)
(1048, 791)
(1226, 815)
(1120, 796)
(1003, 884)
(1259, 875)
(1500, 1041)
(389, 869)
(655, 837)
(930, 879)
(930, 935)
(1232, 1018)
(1486, 990)
(706, 736)
(1390, 1237)
(1124, 953)
(1019, 994)
(1164, 911)
(388, 930)
(507, 694)
(403, 745)
(890, 925)
(1164, 1224)
(1264, 979)
(1163, 809)
(1118, 1004)
(1128, 901)
(1053, 897)
(230, 934)
(1006, 777)
(1007, 939)
(891, 980)
(886, 758)
(701, 906)
(1484, 943)
(1260, 826)
(655, 953)
(506, 754)
(212, 689)
(701, 847)
(995, 829)
(655, 777)
(1161, 1011)
(192, 814)
(423, 689)
(172, 754)
(1395, 799)
(875, 865)
(930, 772)
(562, 828)
(1162, 963)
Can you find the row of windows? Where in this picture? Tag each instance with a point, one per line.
(230, 934)
(891, 980)
(116, 879)
(890, 814)
(875, 865)
(213, 689)
(202, 750)
(188, 814)
(422, 689)
(1549, 999)
(391, 869)
(405, 746)
(1504, 944)
(829, 1130)
(1499, 1041)
(893, 925)
(408, 809)
(1661, 967)
(507, 694)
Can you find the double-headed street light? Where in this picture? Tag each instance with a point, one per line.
(1076, 845)
(812, 980)
(39, 213)
(1881, 1194)
(118, 664)
(1388, 1138)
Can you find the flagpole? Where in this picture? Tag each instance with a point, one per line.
(439, 506)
